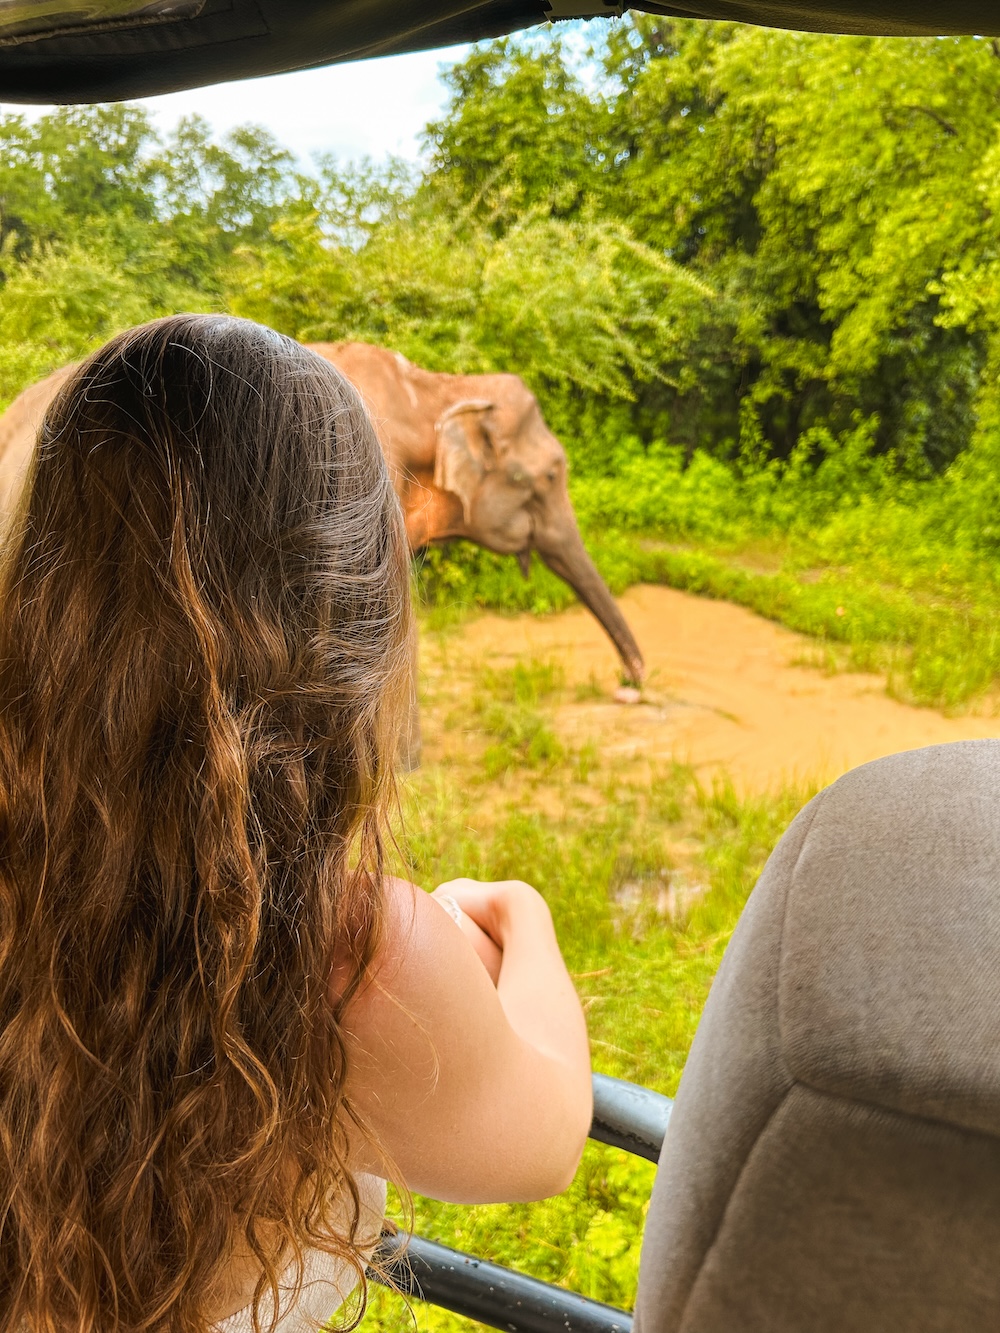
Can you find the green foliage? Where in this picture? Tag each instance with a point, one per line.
(577, 306)
(827, 187)
(662, 232)
(462, 575)
(519, 131)
(102, 226)
(62, 301)
(71, 164)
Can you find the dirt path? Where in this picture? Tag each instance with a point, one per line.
(723, 693)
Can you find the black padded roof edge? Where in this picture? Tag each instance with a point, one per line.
(237, 39)
(866, 18)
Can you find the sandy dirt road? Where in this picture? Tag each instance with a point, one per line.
(723, 691)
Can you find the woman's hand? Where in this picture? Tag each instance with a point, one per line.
(495, 904)
(489, 952)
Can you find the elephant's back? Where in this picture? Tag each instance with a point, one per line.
(19, 431)
(400, 397)
(379, 375)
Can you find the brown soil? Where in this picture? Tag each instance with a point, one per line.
(721, 692)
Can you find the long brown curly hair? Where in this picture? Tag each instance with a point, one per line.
(204, 622)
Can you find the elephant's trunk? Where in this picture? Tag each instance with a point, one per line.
(567, 557)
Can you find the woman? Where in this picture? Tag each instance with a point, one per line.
(221, 1023)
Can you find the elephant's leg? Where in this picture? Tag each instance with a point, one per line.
(409, 741)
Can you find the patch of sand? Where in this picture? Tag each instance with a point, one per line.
(722, 693)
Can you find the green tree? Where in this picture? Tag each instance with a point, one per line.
(71, 164)
(519, 132)
(824, 185)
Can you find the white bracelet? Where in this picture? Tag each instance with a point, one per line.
(451, 907)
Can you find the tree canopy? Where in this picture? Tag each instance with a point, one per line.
(716, 236)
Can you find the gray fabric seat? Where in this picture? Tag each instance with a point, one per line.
(833, 1159)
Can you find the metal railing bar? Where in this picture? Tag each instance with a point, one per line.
(629, 1116)
(496, 1296)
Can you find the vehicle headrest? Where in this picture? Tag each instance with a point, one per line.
(107, 50)
(833, 1159)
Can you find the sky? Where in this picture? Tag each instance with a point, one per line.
(370, 108)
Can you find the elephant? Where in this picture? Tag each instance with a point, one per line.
(470, 456)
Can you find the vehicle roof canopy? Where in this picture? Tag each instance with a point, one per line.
(106, 50)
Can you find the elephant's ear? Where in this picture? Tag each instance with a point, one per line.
(464, 453)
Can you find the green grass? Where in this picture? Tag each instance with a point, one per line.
(643, 961)
(506, 707)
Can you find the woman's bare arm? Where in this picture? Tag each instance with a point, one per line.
(475, 1093)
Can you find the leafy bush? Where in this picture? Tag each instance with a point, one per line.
(56, 306)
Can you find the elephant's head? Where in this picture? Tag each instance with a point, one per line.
(508, 470)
